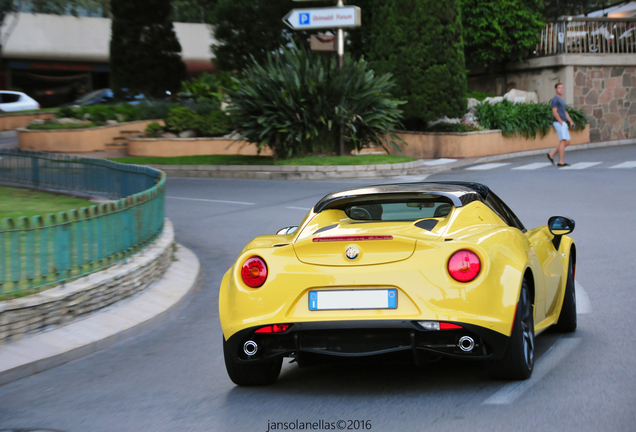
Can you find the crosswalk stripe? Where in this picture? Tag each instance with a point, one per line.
(533, 166)
(487, 166)
(581, 165)
(628, 164)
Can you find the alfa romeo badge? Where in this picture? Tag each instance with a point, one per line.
(352, 252)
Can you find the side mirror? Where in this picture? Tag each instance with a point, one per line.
(287, 230)
(560, 225)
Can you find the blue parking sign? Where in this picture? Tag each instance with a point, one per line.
(304, 18)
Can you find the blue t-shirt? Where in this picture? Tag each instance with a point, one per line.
(559, 104)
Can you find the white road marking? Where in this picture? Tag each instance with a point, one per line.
(581, 165)
(209, 200)
(544, 365)
(441, 161)
(628, 164)
(487, 166)
(533, 166)
(583, 305)
(298, 208)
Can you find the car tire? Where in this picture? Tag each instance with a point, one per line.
(518, 360)
(247, 374)
(567, 317)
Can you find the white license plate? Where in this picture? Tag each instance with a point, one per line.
(353, 299)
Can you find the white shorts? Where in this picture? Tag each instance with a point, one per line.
(562, 131)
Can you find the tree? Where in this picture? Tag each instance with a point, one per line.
(420, 43)
(499, 30)
(145, 55)
(251, 28)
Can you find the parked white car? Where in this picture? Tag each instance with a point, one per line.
(11, 101)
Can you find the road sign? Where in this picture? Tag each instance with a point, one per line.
(320, 18)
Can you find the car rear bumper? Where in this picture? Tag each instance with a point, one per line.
(364, 338)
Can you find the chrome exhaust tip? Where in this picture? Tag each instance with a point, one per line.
(466, 343)
(250, 348)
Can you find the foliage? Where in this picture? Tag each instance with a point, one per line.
(119, 112)
(525, 119)
(480, 96)
(181, 119)
(421, 46)
(203, 122)
(499, 30)
(145, 55)
(266, 160)
(55, 126)
(252, 28)
(154, 129)
(455, 127)
(296, 101)
(194, 11)
(207, 86)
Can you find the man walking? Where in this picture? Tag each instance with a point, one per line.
(559, 117)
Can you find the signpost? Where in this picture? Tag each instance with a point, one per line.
(338, 17)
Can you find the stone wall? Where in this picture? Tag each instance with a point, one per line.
(65, 303)
(608, 96)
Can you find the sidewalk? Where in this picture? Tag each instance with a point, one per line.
(419, 167)
(102, 329)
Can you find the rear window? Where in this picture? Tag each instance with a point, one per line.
(410, 210)
(10, 97)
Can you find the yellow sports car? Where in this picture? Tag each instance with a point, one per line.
(423, 270)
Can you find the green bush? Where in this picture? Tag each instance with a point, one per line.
(296, 101)
(154, 130)
(119, 112)
(525, 119)
(181, 119)
(208, 87)
(454, 127)
(55, 126)
(215, 124)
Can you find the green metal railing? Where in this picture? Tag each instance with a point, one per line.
(40, 251)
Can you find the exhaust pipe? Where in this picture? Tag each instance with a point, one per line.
(466, 343)
(250, 348)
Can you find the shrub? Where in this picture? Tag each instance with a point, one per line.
(154, 130)
(296, 101)
(455, 127)
(181, 119)
(208, 87)
(65, 112)
(525, 119)
(215, 124)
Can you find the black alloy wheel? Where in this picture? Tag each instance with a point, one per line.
(518, 360)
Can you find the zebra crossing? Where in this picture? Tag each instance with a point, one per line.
(543, 165)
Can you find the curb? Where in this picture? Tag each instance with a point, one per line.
(312, 172)
(102, 329)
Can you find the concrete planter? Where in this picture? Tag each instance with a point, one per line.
(10, 121)
(172, 147)
(428, 145)
(78, 140)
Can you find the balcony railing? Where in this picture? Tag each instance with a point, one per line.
(572, 35)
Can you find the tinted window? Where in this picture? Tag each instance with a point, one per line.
(504, 212)
(410, 210)
(10, 97)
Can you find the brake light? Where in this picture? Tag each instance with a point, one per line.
(448, 326)
(464, 266)
(276, 328)
(254, 272)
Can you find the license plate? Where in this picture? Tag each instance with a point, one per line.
(353, 299)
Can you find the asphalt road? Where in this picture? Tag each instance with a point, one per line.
(173, 377)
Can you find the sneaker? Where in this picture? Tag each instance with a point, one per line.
(551, 160)
(563, 165)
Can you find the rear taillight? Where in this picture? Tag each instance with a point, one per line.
(276, 328)
(254, 272)
(464, 266)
